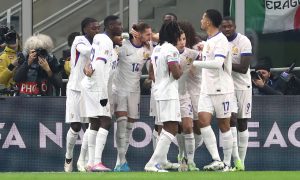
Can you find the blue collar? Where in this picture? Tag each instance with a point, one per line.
(231, 38)
(135, 45)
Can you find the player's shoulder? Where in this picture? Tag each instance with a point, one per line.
(242, 41)
(242, 38)
(126, 44)
(221, 36)
(169, 47)
(102, 39)
(80, 38)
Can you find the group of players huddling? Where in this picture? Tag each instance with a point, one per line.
(190, 80)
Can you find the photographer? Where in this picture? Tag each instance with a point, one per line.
(9, 58)
(40, 72)
(263, 82)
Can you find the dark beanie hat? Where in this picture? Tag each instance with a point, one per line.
(262, 67)
(264, 64)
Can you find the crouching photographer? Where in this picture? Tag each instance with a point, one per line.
(10, 58)
(263, 82)
(39, 74)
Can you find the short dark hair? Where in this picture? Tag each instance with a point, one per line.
(109, 19)
(190, 33)
(85, 22)
(229, 18)
(214, 16)
(171, 14)
(169, 32)
(264, 63)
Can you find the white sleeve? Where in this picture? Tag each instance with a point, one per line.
(99, 67)
(246, 47)
(100, 52)
(172, 56)
(217, 63)
(84, 49)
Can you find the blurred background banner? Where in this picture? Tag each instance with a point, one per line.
(32, 136)
(271, 16)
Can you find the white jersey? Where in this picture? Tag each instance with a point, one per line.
(240, 46)
(130, 64)
(113, 66)
(166, 87)
(80, 54)
(101, 60)
(217, 81)
(186, 61)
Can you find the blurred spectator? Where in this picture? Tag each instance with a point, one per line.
(263, 81)
(40, 71)
(10, 59)
(64, 61)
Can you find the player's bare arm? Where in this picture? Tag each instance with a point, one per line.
(243, 67)
(176, 70)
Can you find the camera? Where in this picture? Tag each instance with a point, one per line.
(42, 53)
(255, 75)
(286, 75)
(7, 36)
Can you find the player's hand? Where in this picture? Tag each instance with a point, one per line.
(88, 70)
(200, 46)
(134, 33)
(44, 64)
(259, 82)
(147, 83)
(31, 57)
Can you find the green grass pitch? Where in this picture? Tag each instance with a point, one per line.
(248, 175)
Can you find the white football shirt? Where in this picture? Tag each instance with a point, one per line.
(240, 46)
(166, 87)
(187, 58)
(101, 60)
(80, 55)
(217, 81)
(129, 70)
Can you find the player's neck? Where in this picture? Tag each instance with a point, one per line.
(212, 31)
(109, 34)
(136, 42)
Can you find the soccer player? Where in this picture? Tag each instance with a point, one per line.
(186, 139)
(241, 50)
(94, 100)
(194, 77)
(216, 90)
(80, 53)
(165, 61)
(133, 54)
(158, 126)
